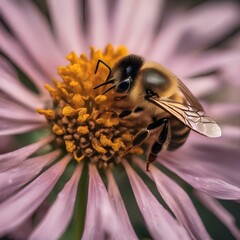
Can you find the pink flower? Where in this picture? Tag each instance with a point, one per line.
(183, 41)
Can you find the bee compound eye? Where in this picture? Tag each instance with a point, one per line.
(123, 86)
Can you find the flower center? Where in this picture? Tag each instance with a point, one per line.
(82, 119)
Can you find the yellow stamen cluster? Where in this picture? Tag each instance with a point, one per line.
(83, 120)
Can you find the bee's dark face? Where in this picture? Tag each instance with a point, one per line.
(126, 71)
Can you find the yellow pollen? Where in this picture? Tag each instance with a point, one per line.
(68, 111)
(57, 130)
(70, 146)
(48, 113)
(78, 101)
(83, 130)
(100, 99)
(84, 121)
(97, 146)
(78, 158)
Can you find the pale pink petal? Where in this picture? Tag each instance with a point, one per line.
(202, 86)
(34, 32)
(167, 39)
(216, 159)
(148, 15)
(59, 215)
(7, 144)
(231, 72)
(16, 177)
(22, 231)
(122, 14)
(18, 55)
(98, 23)
(220, 212)
(13, 127)
(13, 87)
(231, 132)
(214, 172)
(99, 212)
(68, 28)
(178, 201)
(7, 67)
(118, 204)
(21, 205)
(207, 23)
(209, 61)
(223, 110)
(10, 109)
(186, 31)
(11, 159)
(160, 223)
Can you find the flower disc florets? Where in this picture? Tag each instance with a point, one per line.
(82, 119)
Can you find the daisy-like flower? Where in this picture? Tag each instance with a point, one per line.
(70, 163)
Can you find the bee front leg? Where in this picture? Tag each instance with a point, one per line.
(157, 146)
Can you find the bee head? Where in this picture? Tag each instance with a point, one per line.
(125, 72)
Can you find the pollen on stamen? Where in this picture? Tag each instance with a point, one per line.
(83, 120)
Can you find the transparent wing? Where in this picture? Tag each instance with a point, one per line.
(189, 96)
(192, 117)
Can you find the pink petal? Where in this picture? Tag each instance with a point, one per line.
(34, 33)
(58, 217)
(178, 201)
(7, 67)
(13, 127)
(167, 39)
(118, 204)
(121, 16)
(99, 211)
(98, 23)
(10, 109)
(68, 28)
(223, 110)
(19, 56)
(220, 212)
(202, 86)
(21, 205)
(16, 177)
(186, 31)
(231, 132)
(148, 15)
(160, 223)
(11, 159)
(6, 144)
(213, 171)
(220, 19)
(210, 61)
(17, 91)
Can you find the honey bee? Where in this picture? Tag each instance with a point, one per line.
(164, 97)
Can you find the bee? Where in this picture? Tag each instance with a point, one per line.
(155, 90)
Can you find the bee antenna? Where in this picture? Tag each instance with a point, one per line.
(111, 80)
(101, 61)
(109, 89)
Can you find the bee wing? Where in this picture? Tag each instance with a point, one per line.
(192, 117)
(189, 96)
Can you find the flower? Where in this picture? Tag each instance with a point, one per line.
(84, 141)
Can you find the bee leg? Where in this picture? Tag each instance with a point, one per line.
(143, 134)
(126, 113)
(157, 146)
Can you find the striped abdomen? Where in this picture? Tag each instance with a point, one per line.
(179, 134)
